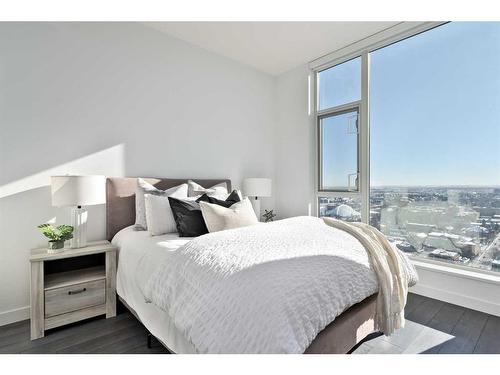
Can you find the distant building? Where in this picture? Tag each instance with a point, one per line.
(420, 227)
(443, 254)
(495, 264)
(346, 212)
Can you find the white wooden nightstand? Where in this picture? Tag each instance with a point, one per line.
(72, 285)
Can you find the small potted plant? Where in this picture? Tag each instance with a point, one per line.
(56, 234)
(269, 216)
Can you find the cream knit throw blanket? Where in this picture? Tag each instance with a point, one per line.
(388, 266)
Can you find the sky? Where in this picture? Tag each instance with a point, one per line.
(434, 107)
(339, 150)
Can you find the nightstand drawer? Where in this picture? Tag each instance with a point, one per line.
(74, 297)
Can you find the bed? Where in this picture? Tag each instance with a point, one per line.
(340, 336)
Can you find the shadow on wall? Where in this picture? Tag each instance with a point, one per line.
(24, 204)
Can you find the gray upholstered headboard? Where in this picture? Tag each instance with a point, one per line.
(120, 198)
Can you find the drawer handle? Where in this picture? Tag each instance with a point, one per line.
(71, 292)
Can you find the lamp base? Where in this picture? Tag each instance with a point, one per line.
(256, 206)
(79, 223)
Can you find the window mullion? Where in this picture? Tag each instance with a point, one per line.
(364, 138)
(337, 109)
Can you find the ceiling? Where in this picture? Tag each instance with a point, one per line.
(271, 47)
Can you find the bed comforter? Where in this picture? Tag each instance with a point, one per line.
(268, 288)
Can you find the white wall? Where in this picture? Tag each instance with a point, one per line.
(115, 99)
(295, 145)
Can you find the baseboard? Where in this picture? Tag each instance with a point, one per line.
(458, 299)
(476, 294)
(15, 315)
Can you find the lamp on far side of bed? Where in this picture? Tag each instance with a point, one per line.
(257, 188)
(76, 192)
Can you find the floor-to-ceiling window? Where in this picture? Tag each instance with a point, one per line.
(434, 120)
(339, 102)
(435, 143)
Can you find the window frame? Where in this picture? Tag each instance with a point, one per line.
(331, 112)
(361, 49)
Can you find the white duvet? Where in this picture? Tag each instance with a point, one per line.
(268, 288)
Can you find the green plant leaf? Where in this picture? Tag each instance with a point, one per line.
(48, 231)
(59, 233)
(65, 232)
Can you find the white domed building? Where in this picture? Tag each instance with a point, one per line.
(346, 212)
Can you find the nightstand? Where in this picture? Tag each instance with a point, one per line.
(72, 285)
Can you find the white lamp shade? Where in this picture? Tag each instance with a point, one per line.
(257, 187)
(78, 190)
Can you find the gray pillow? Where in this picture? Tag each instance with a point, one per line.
(143, 188)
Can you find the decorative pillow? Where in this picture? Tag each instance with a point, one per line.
(143, 188)
(188, 218)
(159, 216)
(187, 213)
(233, 198)
(219, 218)
(219, 190)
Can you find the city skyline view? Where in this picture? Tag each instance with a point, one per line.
(459, 226)
(434, 170)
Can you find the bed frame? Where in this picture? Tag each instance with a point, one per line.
(346, 332)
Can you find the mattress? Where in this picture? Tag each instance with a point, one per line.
(139, 253)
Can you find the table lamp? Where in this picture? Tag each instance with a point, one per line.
(76, 192)
(257, 188)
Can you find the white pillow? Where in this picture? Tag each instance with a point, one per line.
(218, 191)
(143, 188)
(219, 218)
(238, 191)
(159, 216)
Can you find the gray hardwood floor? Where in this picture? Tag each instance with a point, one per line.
(432, 327)
(436, 327)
